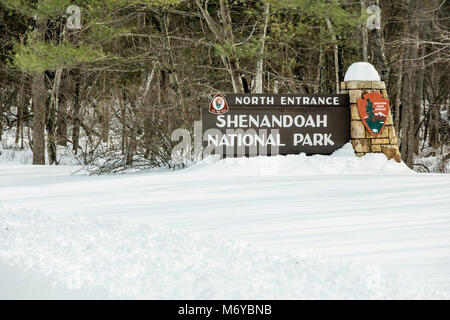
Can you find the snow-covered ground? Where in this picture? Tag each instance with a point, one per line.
(279, 227)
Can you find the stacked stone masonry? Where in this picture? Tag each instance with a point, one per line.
(363, 142)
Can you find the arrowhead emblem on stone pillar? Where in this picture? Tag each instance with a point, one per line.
(374, 111)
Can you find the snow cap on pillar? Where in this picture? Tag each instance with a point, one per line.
(361, 71)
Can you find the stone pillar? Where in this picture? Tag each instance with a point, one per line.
(363, 142)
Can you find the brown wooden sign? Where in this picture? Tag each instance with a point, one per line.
(277, 124)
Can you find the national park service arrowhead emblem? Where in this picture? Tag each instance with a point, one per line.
(218, 104)
(374, 111)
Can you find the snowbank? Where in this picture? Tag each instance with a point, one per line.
(341, 162)
(78, 256)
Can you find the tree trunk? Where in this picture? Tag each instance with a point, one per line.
(364, 34)
(76, 114)
(434, 95)
(224, 35)
(260, 63)
(336, 55)
(236, 78)
(1, 120)
(51, 117)
(39, 106)
(434, 127)
(123, 115)
(409, 104)
(319, 71)
(341, 62)
(131, 147)
(20, 113)
(378, 50)
(61, 125)
(51, 133)
(233, 60)
(173, 76)
(147, 107)
(398, 89)
(418, 99)
(105, 122)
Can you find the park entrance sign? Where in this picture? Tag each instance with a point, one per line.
(259, 124)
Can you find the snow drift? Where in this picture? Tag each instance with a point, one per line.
(289, 227)
(103, 259)
(341, 162)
